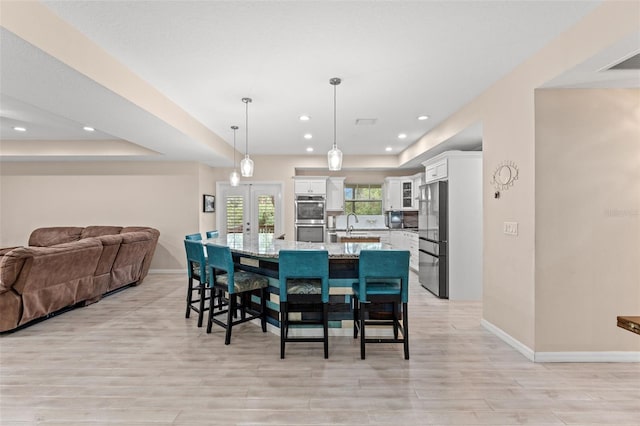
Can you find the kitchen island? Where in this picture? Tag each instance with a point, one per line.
(260, 255)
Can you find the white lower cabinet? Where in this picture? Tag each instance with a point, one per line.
(383, 235)
(406, 240)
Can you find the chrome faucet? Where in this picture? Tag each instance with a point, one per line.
(350, 228)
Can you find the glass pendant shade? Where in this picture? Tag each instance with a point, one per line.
(334, 156)
(234, 178)
(246, 166)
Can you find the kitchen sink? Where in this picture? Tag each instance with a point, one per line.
(359, 237)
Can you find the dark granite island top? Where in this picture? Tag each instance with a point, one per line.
(267, 247)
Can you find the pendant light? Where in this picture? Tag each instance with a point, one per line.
(234, 177)
(246, 165)
(334, 156)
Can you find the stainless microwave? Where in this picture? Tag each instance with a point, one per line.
(396, 219)
(393, 219)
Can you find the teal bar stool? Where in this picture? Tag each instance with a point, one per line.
(196, 270)
(304, 287)
(238, 284)
(383, 278)
(212, 234)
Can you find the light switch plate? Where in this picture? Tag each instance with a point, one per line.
(510, 228)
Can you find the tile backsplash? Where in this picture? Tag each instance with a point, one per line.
(365, 222)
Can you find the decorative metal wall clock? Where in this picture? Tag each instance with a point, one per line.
(504, 176)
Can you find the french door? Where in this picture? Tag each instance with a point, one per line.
(250, 210)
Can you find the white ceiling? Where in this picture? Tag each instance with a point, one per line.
(397, 59)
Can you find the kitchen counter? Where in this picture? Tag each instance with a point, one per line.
(261, 256)
(357, 237)
(267, 247)
(378, 229)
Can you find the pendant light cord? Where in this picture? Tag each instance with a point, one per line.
(234, 128)
(335, 143)
(246, 126)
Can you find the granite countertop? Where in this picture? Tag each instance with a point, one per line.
(365, 230)
(266, 246)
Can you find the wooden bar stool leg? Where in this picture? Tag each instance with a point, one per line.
(189, 296)
(283, 327)
(210, 320)
(203, 292)
(356, 316)
(362, 327)
(395, 320)
(263, 309)
(325, 323)
(232, 308)
(405, 330)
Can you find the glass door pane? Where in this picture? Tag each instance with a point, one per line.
(235, 214)
(251, 211)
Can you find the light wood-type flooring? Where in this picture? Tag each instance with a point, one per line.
(133, 359)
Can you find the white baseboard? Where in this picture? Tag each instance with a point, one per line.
(505, 337)
(168, 271)
(577, 356)
(603, 356)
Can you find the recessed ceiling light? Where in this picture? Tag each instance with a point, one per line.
(402, 136)
(388, 149)
(20, 129)
(423, 117)
(308, 136)
(88, 129)
(304, 118)
(309, 149)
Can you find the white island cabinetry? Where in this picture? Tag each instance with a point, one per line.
(406, 240)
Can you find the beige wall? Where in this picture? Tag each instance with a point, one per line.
(362, 176)
(587, 218)
(165, 196)
(207, 185)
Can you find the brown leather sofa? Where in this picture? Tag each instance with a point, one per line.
(69, 266)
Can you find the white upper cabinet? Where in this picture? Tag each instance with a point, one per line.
(335, 194)
(393, 193)
(401, 193)
(436, 171)
(310, 185)
(418, 179)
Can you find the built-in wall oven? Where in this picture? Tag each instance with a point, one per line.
(310, 233)
(310, 221)
(310, 208)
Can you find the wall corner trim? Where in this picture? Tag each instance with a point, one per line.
(577, 356)
(601, 356)
(514, 343)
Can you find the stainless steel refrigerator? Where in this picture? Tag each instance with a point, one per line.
(433, 231)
